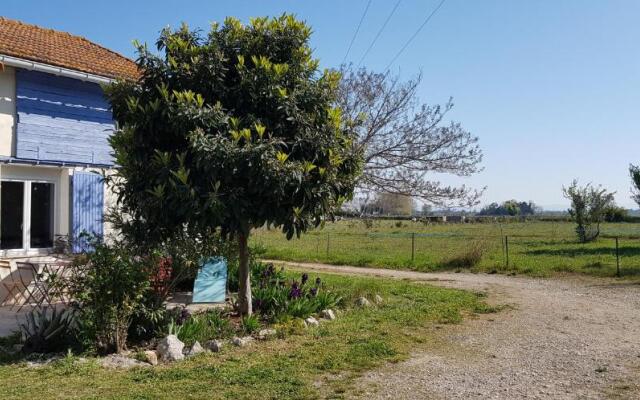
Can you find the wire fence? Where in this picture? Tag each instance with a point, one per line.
(536, 254)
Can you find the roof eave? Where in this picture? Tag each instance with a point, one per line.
(52, 69)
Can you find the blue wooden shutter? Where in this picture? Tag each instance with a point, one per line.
(87, 208)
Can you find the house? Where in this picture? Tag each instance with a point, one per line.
(54, 128)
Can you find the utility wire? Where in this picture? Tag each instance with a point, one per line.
(379, 32)
(353, 39)
(426, 21)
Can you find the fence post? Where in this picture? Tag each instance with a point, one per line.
(506, 248)
(328, 244)
(617, 259)
(413, 247)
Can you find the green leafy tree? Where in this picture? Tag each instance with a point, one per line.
(510, 207)
(235, 130)
(588, 208)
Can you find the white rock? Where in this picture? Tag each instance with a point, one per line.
(214, 345)
(363, 302)
(195, 349)
(311, 322)
(328, 314)
(267, 333)
(121, 361)
(151, 357)
(241, 341)
(170, 349)
(378, 299)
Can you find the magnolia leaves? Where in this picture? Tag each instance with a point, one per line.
(245, 133)
(282, 157)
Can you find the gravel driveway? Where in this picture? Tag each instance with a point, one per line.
(564, 338)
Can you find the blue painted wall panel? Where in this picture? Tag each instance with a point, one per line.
(86, 209)
(61, 119)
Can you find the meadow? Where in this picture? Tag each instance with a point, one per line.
(537, 248)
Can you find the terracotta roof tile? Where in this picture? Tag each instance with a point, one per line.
(62, 49)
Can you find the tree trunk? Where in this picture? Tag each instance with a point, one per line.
(244, 276)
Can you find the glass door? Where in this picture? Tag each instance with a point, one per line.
(41, 232)
(12, 202)
(26, 216)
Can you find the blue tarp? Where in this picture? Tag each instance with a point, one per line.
(211, 283)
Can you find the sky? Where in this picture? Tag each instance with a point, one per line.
(550, 87)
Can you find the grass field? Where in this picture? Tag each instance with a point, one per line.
(307, 364)
(535, 248)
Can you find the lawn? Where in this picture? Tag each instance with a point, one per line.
(307, 363)
(535, 248)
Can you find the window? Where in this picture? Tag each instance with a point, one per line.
(26, 215)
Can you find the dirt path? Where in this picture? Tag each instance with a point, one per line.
(565, 338)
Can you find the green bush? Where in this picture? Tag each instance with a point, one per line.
(200, 327)
(615, 214)
(250, 324)
(108, 287)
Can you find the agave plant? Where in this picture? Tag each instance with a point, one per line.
(47, 330)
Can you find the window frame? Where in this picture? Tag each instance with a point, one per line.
(26, 217)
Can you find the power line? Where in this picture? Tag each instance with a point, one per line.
(353, 39)
(426, 21)
(379, 32)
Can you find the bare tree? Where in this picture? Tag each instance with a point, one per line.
(405, 142)
(634, 171)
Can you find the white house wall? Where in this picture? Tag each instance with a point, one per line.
(7, 111)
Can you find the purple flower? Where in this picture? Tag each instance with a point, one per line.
(295, 291)
(269, 271)
(305, 278)
(313, 292)
(318, 281)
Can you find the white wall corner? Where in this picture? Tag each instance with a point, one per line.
(7, 111)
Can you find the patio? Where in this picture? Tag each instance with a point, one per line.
(23, 288)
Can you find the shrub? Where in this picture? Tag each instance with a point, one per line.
(199, 327)
(588, 206)
(108, 287)
(48, 330)
(250, 324)
(469, 258)
(614, 213)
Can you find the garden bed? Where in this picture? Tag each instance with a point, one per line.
(299, 363)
